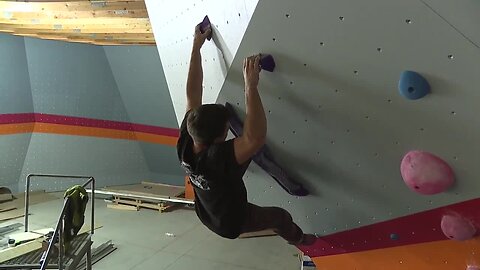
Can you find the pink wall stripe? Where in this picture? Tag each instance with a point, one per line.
(413, 229)
(17, 118)
(86, 122)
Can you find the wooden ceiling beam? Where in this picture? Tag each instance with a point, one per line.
(71, 6)
(85, 21)
(131, 13)
(94, 22)
(90, 29)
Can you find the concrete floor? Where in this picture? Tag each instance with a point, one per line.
(142, 243)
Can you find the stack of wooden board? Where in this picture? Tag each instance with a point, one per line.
(158, 193)
(15, 207)
(5, 194)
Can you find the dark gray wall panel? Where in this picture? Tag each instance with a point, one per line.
(14, 150)
(15, 97)
(162, 161)
(141, 82)
(15, 93)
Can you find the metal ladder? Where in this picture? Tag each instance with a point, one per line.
(81, 245)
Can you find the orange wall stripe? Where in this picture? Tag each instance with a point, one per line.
(83, 131)
(80, 126)
(159, 139)
(438, 255)
(7, 129)
(104, 133)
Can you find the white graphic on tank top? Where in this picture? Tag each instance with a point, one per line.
(197, 179)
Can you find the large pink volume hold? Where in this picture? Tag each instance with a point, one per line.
(457, 227)
(426, 173)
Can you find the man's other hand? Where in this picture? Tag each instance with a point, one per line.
(251, 70)
(200, 38)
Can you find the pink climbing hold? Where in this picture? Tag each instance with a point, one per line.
(473, 267)
(458, 228)
(426, 173)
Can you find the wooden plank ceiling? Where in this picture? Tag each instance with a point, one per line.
(109, 22)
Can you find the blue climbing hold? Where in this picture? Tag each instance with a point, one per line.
(394, 236)
(413, 85)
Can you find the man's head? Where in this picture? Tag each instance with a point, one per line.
(208, 123)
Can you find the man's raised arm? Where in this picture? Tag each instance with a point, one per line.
(195, 72)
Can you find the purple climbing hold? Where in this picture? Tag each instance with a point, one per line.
(267, 63)
(204, 25)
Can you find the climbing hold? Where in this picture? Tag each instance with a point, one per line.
(458, 228)
(473, 267)
(267, 63)
(394, 236)
(426, 173)
(204, 25)
(413, 85)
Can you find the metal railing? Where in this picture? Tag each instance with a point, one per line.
(59, 228)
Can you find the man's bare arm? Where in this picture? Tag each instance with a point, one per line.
(255, 128)
(195, 72)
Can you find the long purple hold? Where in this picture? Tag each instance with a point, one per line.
(204, 25)
(265, 160)
(267, 63)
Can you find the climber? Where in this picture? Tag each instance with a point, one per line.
(215, 166)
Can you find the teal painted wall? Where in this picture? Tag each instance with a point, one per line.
(109, 83)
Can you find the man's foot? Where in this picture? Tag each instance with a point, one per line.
(308, 240)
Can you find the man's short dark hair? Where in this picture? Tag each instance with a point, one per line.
(207, 122)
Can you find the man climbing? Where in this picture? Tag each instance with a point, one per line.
(216, 166)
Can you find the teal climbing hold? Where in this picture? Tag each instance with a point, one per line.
(413, 85)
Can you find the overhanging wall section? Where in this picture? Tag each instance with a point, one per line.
(173, 24)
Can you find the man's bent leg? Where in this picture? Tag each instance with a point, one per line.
(275, 218)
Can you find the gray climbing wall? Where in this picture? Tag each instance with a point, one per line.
(92, 82)
(15, 97)
(335, 119)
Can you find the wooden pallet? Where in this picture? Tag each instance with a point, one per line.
(154, 190)
(160, 206)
